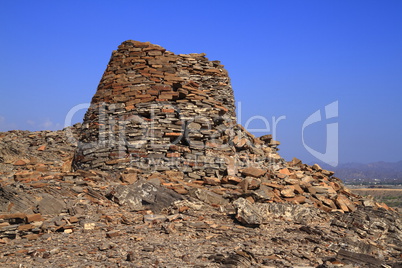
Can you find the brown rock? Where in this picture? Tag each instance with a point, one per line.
(170, 155)
(307, 179)
(240, 143)
(327, 173)
(292, 181)
(231, 166)
(298, 189)
(273, 143)
(383, 205)
(266, 138)
(13, 216)
(179, 189)
(263, 193)
(317, 167)
(233, 179)
(253, 172)
(244, 185)
(250, 183)
(174, 175)
(341, 204)
(317, 203)
(359, 258)
(309, 188)
(42, 148)
(212, 181)
(253, 183)
(336, 186)
(295, 162)
(344, 203)
(285, 171)
(250, 199)
(179, 148)
(297, 199)
(288, 191)
(20, 163)
(322, 190)
(173, 134)
(112, 234)
(27, 176)
(73, 219)
(32, 236)
(129, 178)
(281, 176)
(273, 185)
(209, 197)
(25, 227)
(326, 201)
(67, 165)
(33, 217)
(3, 224)
(41, 168)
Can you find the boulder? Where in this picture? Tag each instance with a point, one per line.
(143, 195)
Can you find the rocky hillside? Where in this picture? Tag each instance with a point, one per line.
(372, 173)
(160, 175)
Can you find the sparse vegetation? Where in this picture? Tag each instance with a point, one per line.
(390, 196)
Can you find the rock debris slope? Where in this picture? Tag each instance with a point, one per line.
(160, 174)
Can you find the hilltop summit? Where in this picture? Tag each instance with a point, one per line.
(160, 174)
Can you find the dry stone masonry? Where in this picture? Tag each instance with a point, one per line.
(172, 117)
(155, 110)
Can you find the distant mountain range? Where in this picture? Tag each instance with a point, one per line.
(372, 173)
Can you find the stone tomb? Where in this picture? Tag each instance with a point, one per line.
(155, 111)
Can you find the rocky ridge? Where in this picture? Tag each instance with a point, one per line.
(216, 197)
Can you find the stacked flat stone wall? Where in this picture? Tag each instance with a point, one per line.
(154, 111)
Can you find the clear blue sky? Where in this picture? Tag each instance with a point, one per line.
(285, 58)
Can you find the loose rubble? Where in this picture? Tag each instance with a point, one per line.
(159, 174)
